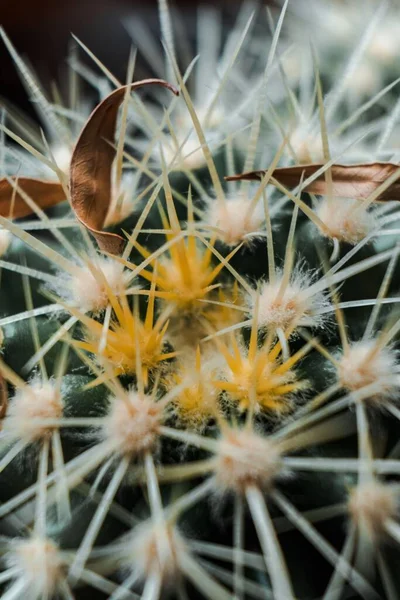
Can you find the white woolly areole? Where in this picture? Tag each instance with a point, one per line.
(62, 155)
(39, 563)
(385, 44)
(365, 363)
(87, 291)
(5, 240)
(31, 405)
(132, 425)
(306, 146)
(233, 219)
(245, 458)
(344, 222)
(190, 156)
(155, 548)
(294, 307)
(371, 505)
(124, 199)
(366, 79)
(291, 63)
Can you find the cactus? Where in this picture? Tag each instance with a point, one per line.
(200, 372)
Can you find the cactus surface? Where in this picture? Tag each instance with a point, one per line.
(200, 375)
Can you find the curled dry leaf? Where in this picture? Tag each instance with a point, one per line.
(348, 181)
(91, 163)
(44, 193)
(3, 397)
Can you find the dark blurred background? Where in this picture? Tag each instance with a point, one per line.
(40, 31)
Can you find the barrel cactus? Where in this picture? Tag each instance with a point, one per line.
(199, 361)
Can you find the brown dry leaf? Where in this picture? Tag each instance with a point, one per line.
(3, 397)
(91, 162)
(349, 181)
(44, 193)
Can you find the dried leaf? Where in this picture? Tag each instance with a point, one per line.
(91, 163)
(349, 181)
(44, 193)
(3, 397)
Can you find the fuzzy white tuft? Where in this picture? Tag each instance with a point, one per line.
(306, 146)
(385, 44)
(246, 458)
(124, 204)
(87, 291)
(366, 79)
(344, 221)
(155, 548)
(30, 406)
(371, 505)
(62, 156)
(295, 307)
(235, 219)
(189, 155)
(183, 150)
(132, 425)
(39, 564)
(365, 363)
